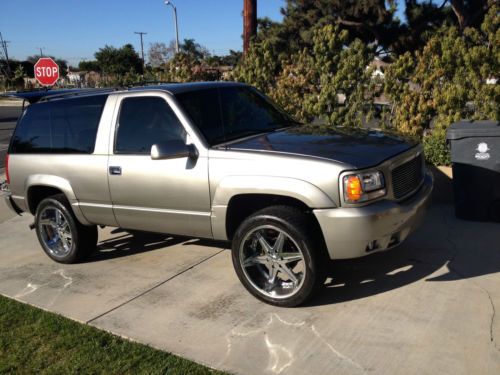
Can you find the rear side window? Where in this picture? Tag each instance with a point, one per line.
(144, 121)
(63, 126)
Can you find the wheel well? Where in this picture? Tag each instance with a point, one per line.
(38, 193)
(243, 205)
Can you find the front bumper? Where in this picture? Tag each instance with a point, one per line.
(353, 232)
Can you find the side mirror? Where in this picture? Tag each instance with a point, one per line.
(173, 150)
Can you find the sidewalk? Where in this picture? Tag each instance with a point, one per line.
(425, 308)
(10, 102)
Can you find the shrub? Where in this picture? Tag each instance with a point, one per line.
(435, 148)
(185, 67)
(447, 80)
(313, 83)
(259, 67)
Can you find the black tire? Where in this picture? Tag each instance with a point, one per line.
(83, 237)
(301, 231)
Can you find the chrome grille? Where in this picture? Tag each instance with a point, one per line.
(407, 177)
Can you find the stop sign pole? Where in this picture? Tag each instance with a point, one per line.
(46, 71)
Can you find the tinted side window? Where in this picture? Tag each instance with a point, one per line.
(65, 126)
(144, 121)
(32, 134)
(203, 107)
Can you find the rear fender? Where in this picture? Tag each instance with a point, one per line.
(58, 183)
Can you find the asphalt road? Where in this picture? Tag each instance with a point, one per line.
(8, 119)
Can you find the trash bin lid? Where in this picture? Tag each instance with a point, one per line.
(467, 129)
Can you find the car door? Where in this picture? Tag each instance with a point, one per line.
(169, 195)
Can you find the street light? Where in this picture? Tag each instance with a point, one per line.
(168, 2)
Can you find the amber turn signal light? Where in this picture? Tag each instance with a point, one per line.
(354, 188)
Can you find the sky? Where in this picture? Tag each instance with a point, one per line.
(75, 29)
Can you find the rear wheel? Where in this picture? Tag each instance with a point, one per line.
(276, 258)
(61, 235)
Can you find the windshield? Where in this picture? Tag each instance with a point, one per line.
(227, 113)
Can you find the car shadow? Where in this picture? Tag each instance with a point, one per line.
(129, 243)
(443, 249)
(349, 280)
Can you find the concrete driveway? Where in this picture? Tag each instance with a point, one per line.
(425, 308)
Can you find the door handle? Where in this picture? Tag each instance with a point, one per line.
(115, 171)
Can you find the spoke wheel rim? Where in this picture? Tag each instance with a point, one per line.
(272, 262)
(55, 231)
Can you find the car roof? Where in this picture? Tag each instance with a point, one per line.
(37, 95)
(173, 88)
(178, 88)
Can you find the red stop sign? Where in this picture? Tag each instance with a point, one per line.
(46, 71)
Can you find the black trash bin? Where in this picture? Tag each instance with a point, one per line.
(475, 156)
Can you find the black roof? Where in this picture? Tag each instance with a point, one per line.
(173, 88)
(37, 95)
(177, 88)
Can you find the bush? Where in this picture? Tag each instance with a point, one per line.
(185, 67)
(447, 80)
(328, 80)
(436, 149)
(259, 67)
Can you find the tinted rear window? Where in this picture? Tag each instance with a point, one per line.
(65, 126)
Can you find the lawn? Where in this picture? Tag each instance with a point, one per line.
(35, 341)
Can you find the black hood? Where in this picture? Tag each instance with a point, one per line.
(357, 147)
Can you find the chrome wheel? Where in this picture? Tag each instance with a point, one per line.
(55, 231)
(272, 262)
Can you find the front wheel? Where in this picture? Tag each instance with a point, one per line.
(276, 257)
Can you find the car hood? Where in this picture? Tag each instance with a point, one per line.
(359, 148)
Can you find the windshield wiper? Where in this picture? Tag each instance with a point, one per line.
(282, 125)
(245, 133)
(241, 134)
(229, 137)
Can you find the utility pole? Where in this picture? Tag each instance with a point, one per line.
(6, 54)
(249, 22)
(140, 33)
(41, 51)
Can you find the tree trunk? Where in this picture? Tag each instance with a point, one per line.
(460, 11)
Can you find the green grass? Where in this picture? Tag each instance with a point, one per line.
(35, 341)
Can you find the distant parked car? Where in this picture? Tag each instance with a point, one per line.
(219, 161)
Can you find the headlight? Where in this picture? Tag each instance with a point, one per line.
(361, 187)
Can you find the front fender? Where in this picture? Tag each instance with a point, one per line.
(230, 186)
(58, 183)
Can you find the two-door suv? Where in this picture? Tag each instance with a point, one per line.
(213, 160)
